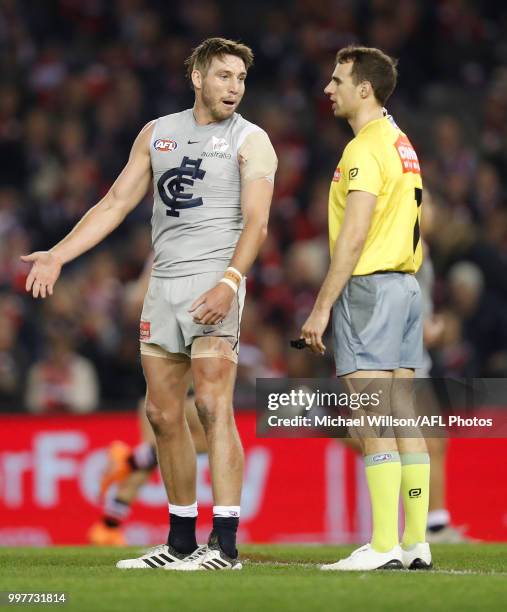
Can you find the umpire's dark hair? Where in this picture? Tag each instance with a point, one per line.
(371, 65)
(201, 56)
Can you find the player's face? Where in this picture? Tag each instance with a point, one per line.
(223, 86)
(343, 92)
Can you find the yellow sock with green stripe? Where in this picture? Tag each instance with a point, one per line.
(383, 473)
(415, 492)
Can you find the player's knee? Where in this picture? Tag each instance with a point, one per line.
(212, 410)
(155, 417)
(164, 422)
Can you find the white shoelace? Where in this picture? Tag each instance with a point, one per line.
(209, 554)
(200, 552)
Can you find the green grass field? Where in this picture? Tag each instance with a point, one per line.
(466, 577)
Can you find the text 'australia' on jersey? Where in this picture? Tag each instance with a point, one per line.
(197, 218)
(381, 160)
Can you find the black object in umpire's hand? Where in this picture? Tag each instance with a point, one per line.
(300, 343)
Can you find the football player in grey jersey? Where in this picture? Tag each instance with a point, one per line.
(212, 174)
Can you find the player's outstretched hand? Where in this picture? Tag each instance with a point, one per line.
(313, 330)
(213, 305)
(45, 271)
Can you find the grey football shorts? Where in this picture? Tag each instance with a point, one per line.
(378, 324)
(166, 322)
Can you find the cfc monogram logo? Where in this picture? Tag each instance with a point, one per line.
(172, 184)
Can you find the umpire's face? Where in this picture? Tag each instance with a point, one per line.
(343, 92)
(222, 87)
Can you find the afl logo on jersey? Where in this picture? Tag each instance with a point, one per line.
(337, 175)
(164, 144)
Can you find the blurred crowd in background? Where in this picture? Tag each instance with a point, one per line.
(79, 78)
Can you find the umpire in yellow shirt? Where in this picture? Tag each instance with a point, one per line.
(371, 290)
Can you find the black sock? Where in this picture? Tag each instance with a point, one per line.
(182, 533)
(225, 528)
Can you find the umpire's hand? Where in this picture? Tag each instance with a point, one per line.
(314, 328)
(213, 305)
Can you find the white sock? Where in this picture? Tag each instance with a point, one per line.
(190, 510)
(226, 511)
(438, 517)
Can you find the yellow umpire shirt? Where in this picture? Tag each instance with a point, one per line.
(381, 161)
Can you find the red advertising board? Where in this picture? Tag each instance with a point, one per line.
(299, 490)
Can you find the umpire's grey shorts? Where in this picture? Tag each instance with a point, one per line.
(378, 324)
(166, 322)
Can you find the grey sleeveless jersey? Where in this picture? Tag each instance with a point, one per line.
(197, 216)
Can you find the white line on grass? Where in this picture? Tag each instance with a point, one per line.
(451, 572)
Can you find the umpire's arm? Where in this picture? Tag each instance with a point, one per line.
(359, 209)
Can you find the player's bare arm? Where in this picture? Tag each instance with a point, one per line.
(258, 163)
(125, 193)
(349, 245)
(256, 198)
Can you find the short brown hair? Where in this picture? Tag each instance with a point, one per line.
(371, 65)
(201, 56)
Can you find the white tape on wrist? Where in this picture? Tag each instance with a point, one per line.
(232, 284)
(235, 271)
